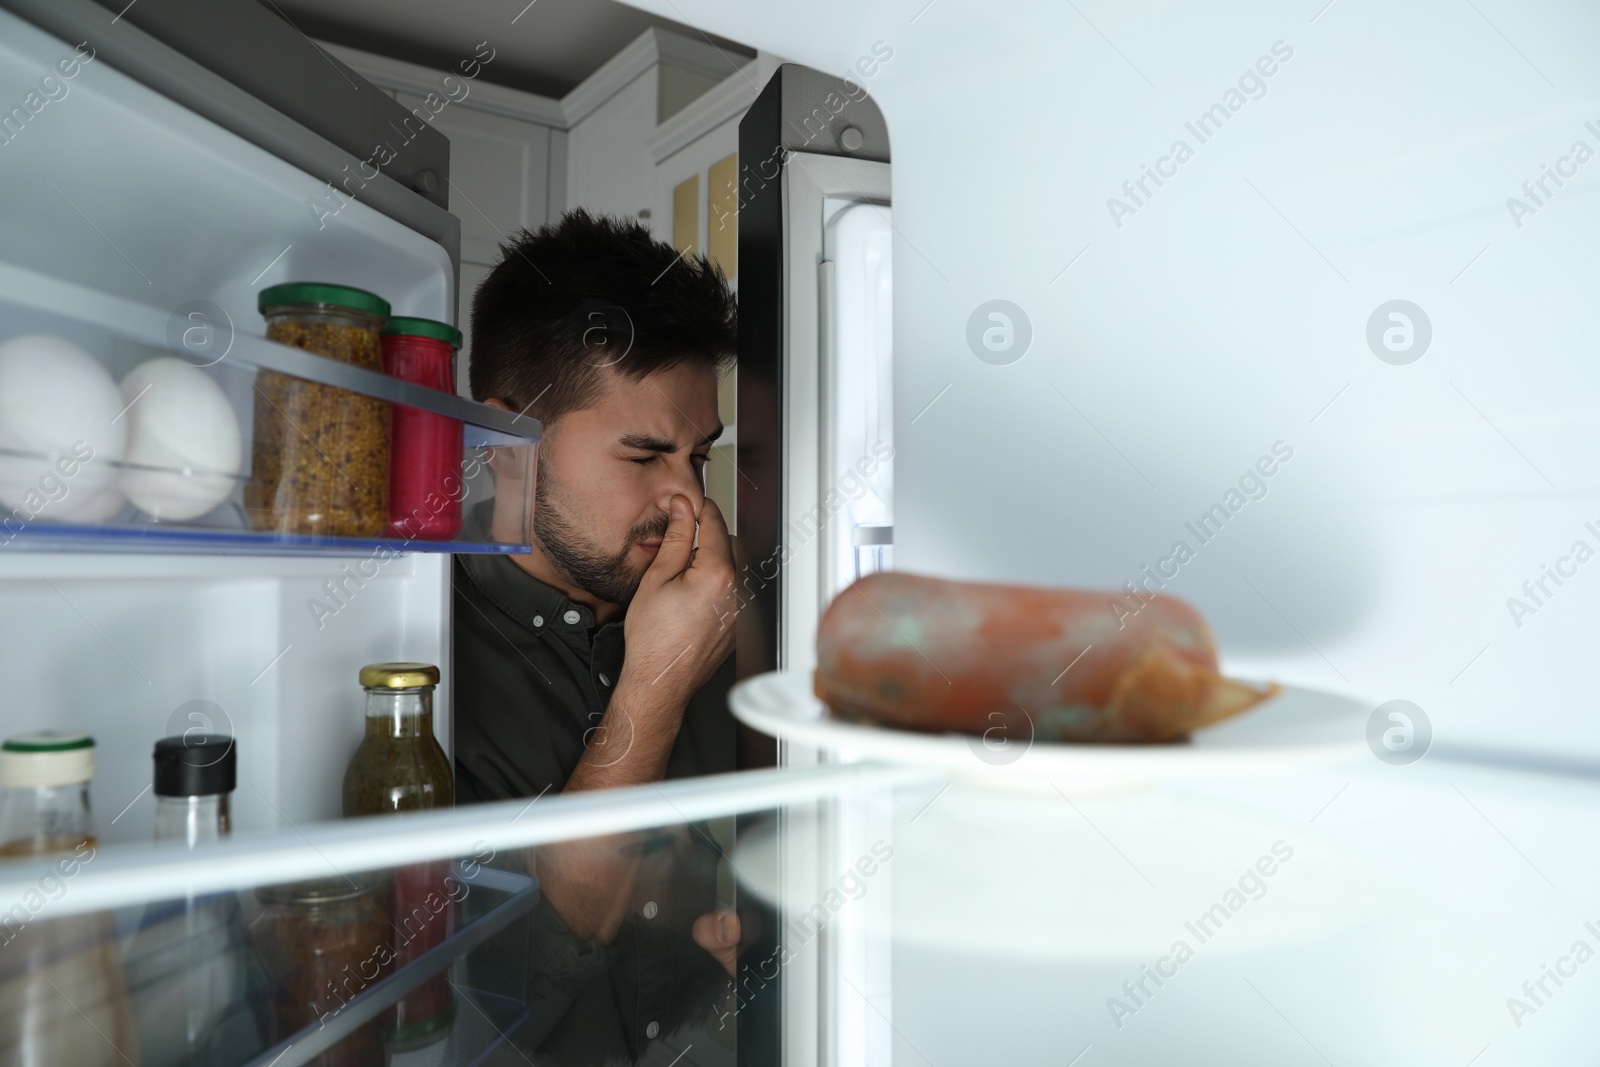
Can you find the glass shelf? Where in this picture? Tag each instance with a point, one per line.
(514, 896)
(189, 540)
(276, 947)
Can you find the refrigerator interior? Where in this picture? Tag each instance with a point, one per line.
(1354, 155)
(1151, 352)
(1332, 340)
(123, 213)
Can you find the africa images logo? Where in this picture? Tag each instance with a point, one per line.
(999, 332)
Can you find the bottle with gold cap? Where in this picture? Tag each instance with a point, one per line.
(400, 767)
(63, 994)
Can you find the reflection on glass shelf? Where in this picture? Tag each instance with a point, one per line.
(154, 537)
(317, 950)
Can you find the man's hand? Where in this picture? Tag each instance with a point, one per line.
(679, 627)
(718, 933)
(678, 630)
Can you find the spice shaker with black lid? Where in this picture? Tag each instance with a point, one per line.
(194, 977)
(194, 775)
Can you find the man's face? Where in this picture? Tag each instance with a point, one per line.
(607, 475)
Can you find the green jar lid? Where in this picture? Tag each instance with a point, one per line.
(47, 758)
(424, 328)
(48, 741)
(322, 293)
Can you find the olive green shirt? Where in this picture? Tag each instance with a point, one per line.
(532, 676)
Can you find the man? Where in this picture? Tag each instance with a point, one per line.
(604, 657)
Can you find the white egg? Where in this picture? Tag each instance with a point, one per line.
(60, 435)
(88, 508)
(179, 421)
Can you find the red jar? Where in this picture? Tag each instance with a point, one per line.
(425, 486)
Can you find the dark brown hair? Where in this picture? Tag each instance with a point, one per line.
(590, 292)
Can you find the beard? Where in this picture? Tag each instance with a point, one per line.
(558, 525)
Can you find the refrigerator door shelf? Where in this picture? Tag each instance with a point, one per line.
(176, 461)
(208, 336)
(67, 537)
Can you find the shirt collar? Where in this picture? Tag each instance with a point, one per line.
(540, 607)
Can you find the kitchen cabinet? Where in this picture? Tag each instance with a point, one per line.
(499, 175)
(508, 164)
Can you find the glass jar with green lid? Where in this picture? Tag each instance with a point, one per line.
(64, 998)
(321, 454)
(44, 793)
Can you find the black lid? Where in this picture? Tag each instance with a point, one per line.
(195, 765)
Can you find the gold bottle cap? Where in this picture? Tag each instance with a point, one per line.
(399, 675)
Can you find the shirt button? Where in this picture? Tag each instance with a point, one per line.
(604, 680)
(538, 620)
(571, 618)
(652, 1030)
(650, 909)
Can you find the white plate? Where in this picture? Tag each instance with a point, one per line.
(1296, 727)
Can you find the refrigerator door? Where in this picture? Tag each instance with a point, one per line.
(816, 442)
(137, 228)
(856, 284)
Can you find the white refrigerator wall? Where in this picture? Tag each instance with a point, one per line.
(1181, 330)
(135, 648)
(114, 188)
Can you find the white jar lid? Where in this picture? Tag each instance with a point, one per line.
(46, 758)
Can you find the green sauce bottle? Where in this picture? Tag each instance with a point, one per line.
(400, 767)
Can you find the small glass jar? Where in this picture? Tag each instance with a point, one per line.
(64, 998)
(323, 943)
(44, 794)
(425, 487)
(400, 767)
(321, 454)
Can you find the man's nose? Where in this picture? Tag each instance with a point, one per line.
(682, 480)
